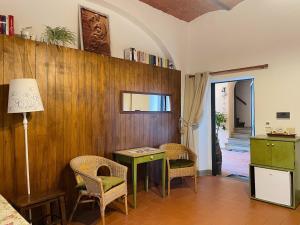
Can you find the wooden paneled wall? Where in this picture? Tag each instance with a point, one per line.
(81, 96)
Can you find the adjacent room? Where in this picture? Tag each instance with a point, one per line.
(234, 119)
(149, 112)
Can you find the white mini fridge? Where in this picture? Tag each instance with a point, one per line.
(273, 185)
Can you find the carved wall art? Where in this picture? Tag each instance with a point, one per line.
(94, 29)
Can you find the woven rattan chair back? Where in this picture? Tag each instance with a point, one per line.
(175, 151)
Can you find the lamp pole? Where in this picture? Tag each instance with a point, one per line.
(25, 123)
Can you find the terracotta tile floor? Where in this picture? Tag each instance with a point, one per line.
(219, 201)
(235, 163)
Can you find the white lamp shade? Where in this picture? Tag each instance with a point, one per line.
(24, 96)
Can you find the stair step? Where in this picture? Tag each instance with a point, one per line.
(238, 141)
(237, 148)
(240, 135)
(234, 145)
(238, 144)
(242, 130)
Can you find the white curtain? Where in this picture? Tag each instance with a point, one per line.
(195, 87)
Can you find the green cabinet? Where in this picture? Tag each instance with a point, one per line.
(260, 152)
(273, 153)
(283, 154)
(273, 156)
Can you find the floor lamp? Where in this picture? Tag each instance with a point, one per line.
(24, 97)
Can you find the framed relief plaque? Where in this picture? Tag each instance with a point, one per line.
(94, 31)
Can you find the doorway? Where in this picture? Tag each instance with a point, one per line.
(232, 119)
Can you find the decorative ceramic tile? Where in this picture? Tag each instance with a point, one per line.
(8, 215)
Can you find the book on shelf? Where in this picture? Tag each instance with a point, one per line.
(143, 57)
(7, 25)
(130, 54)
(11, 25)
(3, 24)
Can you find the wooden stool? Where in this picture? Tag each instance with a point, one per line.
(27, 202)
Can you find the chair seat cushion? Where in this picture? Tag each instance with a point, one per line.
(109, 182)
(81, 186)
(181, 163)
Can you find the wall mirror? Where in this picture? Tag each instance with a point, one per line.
(145, 102)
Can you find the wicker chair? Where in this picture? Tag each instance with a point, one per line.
(178, 152)
(87, 166)
(83, 196)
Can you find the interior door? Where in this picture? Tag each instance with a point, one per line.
(213, 130)
(213, 123)
(252, 108)
(283, 154)
(261, 152)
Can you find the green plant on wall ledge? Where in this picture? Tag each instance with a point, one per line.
(220, 122)
(58, 36)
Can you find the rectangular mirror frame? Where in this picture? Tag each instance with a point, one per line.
(146, 93)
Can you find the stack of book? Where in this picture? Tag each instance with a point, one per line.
(139, 56)
(7, 25)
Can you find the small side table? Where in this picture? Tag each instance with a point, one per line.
(138, 156)
(27, 202)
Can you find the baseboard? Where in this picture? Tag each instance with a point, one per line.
(204, 172)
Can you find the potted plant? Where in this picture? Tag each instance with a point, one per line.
(220, 124)
(60, 36)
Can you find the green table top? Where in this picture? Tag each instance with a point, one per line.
(138, 152)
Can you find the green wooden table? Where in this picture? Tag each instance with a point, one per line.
(138, 156)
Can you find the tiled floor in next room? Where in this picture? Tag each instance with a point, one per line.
(235, 163)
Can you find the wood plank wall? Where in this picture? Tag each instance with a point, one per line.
(81, 96)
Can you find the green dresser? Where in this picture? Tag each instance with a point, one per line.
(275, 170)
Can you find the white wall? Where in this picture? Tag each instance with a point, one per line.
(132, 23)
(171, 32)
(255, 32)
(221, 98)
(222, 106)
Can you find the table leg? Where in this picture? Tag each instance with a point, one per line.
(146, 177)
(62, 210)
(163, 176)
(47, 212)
(134, 181)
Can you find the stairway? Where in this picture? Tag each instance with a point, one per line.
(239, 123)
(239, 140)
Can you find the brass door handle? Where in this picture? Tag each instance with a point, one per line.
(151, 157)
(273, 145)
(268, 144)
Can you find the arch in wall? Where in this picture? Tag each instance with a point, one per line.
(138, 23)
